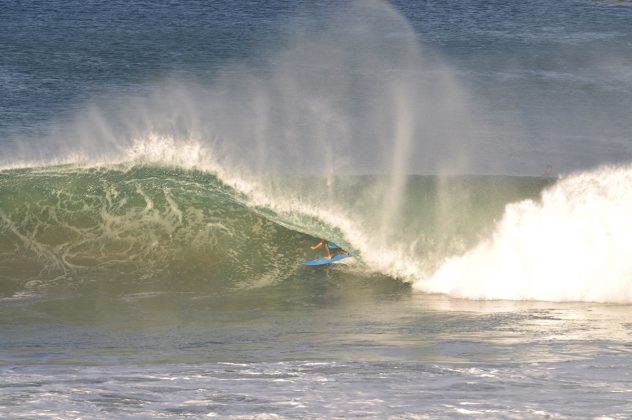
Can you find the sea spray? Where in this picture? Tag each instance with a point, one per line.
(350, 91)
(572, 245)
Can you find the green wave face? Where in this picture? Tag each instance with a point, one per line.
(139, 228)
(135, 228)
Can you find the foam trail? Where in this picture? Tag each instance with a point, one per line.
(574, 245)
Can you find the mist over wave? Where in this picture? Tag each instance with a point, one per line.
(350, 91)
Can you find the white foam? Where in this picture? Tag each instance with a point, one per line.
(573, 245)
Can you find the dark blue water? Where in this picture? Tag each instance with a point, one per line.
(57, 55)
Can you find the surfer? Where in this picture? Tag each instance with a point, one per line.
(329, 246)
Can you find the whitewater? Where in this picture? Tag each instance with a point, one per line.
(165, 168)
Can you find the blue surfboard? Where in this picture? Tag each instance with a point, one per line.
(327, 261)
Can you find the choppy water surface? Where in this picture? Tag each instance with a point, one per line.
(322, 346)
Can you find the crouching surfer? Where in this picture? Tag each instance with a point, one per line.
(332, 248)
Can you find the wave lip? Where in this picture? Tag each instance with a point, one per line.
(574, 245)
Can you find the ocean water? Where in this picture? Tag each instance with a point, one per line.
(165, 166)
